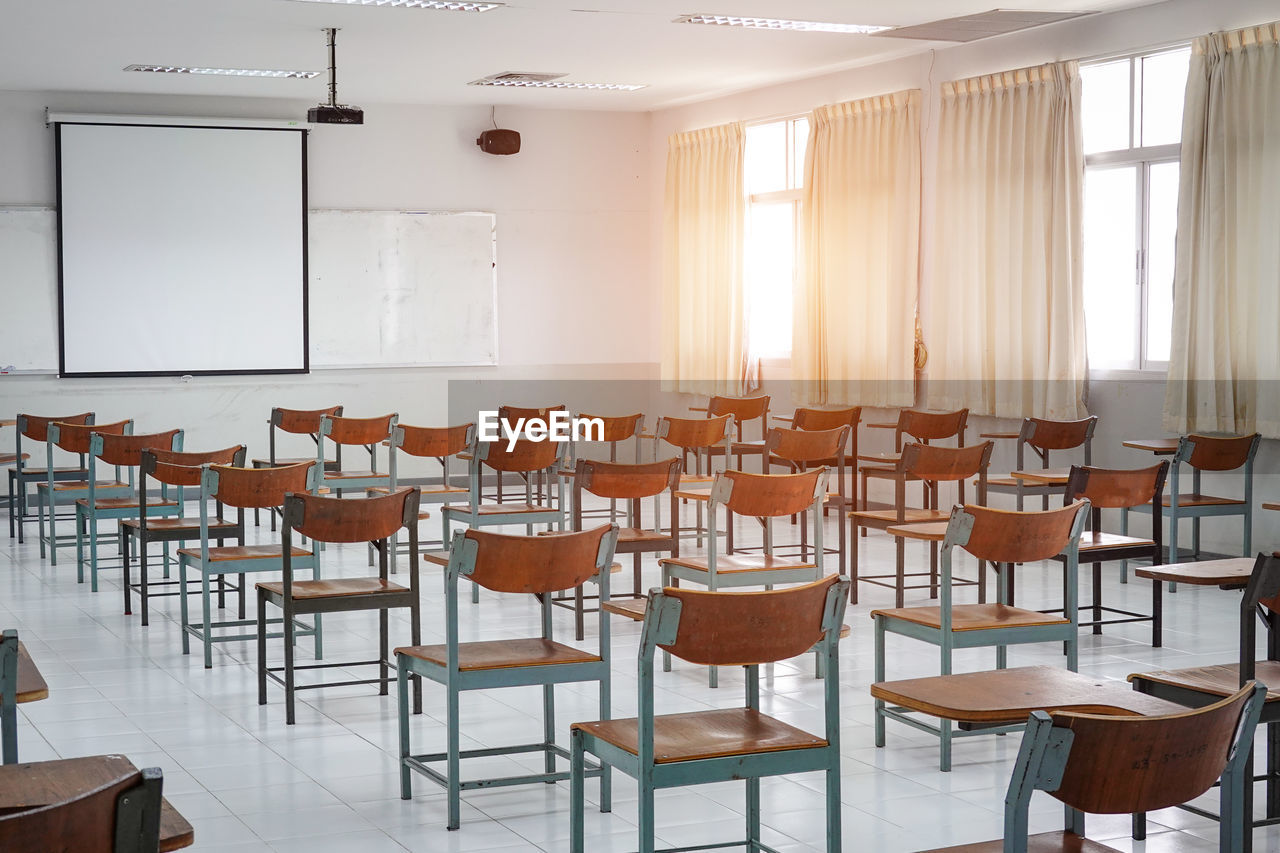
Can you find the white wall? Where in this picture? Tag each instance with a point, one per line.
(1126, 409)
(573, 253)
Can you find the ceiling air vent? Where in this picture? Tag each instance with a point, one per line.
(515, 78)
(983, 25)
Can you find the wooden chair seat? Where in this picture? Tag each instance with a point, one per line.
(243, 552)
(170, 525)
(631, 608)
(1200, 500)
(909, 516)
(1271, 505)
(502, 654)
(638, 534)
(499, 509)
(701, 495)
(1219, 680)
(727, 564)
(974, 617)
(281, 462)
(31, 684)
(1097, 541)
(27, 470)
(699, 735)
(1045, 842)
(695, 479)
(925, 531)
(743, 447)
(1003, 482)
(10, 458)
(353, 475)
(81, 485)
(335, 588)
(124, 503)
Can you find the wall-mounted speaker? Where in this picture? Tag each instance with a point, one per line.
(499, 142)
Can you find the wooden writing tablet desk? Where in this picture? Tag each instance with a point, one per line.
(1232, 573)
(1043, 476)
(1008, 696)
(1158, 446)
(30, 786)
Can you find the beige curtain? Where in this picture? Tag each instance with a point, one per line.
(1006, 303)
(704, 347)
(1224, 370)
(855, 297)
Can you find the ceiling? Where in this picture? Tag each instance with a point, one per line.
(401, 55)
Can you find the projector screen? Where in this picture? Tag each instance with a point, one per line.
(181, 250)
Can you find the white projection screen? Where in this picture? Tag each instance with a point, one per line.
(182, 250)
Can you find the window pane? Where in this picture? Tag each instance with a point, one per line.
(1104, 106)
(1162, 226)
(770, 259)
(1164, 80)
(1110, 254)
(799, 149)
(765, 160)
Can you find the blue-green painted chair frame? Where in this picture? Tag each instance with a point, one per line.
(662, 629)
(48, 497)
(1020, 489)
(9, 697)
(208, 569)
(88, 513)
(20, 475)
(462, 562)
(339, 484)
(959, 527)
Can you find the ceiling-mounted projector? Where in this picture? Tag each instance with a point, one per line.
(333, 112)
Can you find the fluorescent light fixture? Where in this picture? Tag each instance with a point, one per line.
(224, 72)
(777, 24)
(445, 5)
(556, 84)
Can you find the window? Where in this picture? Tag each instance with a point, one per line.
(774, 177)
(1132, 117)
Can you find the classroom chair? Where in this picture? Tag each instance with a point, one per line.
(121, 452)
(1207, 684)
(922, 428)
(176, 471)
(763, 497)
(374, 520)
(122, 815)
(539, 479)
(1044, 437)
(523, 457)
(743, 410)
(615, 430)
(368, 433)
(800, 450)
(295, 422)
(630, 483)
(699, 747)
(243, 489)
(824, 419)
(1100, 764)
(930, 465)
(696, 437)
(1122, 490)
(22, 476)
(72, 438)
(1006, 539)
(529, 565)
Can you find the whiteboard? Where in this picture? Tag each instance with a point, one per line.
(387, 289)
(401, 289)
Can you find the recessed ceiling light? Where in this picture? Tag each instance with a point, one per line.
(529, 83)
(223, 72)
(777, 24)
(444, 5)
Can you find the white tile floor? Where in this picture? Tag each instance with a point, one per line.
(249, 783)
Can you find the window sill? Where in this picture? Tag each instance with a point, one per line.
(1126, 374)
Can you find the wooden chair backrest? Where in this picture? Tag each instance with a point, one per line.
(769, 495)
(361, 431)
(524, 456)
(1124, 765)
(932, 426)
(260, 488)
(945, 464)
(74, 438)
(617, 427)
(821, 419)
(694, 433)
(1219, 453)
(120, 816)
(301, 421)
(326, 519)
(625, 481)
(434, 442)
(127, 449)
(1007, 536)
(739, 408)
(1112, 488)
(1263, 590)
(807, 445)
(1059, 435)
(36, 427)
(724, 628)
(180, 468)
(514, 413)
(532, 564)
